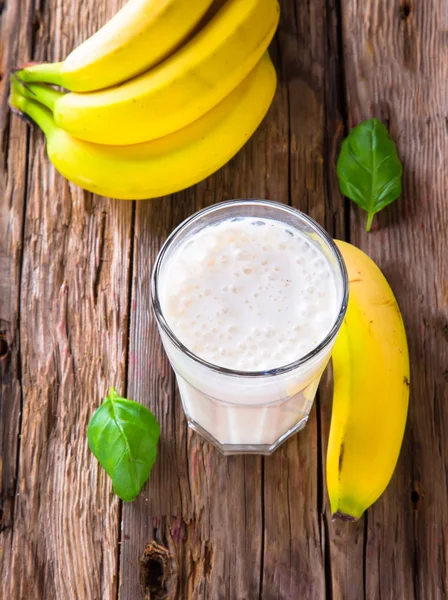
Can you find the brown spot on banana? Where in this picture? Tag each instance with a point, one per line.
(341, 458)
(390, 302)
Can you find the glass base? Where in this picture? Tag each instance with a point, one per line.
(231, 449)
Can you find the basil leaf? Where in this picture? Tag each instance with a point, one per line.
(369, 169)
(123, 436)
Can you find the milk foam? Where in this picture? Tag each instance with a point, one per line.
(249, 294)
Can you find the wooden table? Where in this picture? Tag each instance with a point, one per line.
(75, 319)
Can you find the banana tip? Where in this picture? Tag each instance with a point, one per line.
(21, 114)
(343, 517)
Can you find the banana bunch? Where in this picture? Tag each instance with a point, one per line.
(160, 97)
(371, 390)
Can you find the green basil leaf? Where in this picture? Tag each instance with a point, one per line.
(123, 436)
(369, 169)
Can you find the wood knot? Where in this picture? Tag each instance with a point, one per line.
(158, 573)
(416, 499)
(445, 327)
(5, 519)
(405, 10)
(4, 346)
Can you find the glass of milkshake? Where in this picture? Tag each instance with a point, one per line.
(248, 296)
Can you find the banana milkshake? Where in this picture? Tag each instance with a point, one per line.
(248, 297)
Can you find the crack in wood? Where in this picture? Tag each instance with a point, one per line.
(263, 531)
(320, 508)
(327, 560)
(364, 557)
(126, 377)
(99, 246)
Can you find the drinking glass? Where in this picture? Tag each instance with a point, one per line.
(248, 411)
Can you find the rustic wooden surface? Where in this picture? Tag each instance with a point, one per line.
(75, 319)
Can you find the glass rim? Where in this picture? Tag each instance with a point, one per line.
(235, 372)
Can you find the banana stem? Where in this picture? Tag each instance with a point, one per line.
(38, 113)
(42, 93)
(42, 72)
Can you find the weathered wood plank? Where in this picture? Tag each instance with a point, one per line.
(13, 152)
(397, 70)
(73, 324)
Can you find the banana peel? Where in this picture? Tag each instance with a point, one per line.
(371, 390)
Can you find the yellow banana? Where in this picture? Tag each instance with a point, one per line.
(371, 390)
(178, 91)
(165, 165)
(139, 36)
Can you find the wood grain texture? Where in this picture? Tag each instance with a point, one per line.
(397, 71)
(13, 154)
(75, 318)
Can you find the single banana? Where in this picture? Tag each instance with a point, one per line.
(177, 92)
(139, 36)
(371, 390)
(165, 165)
